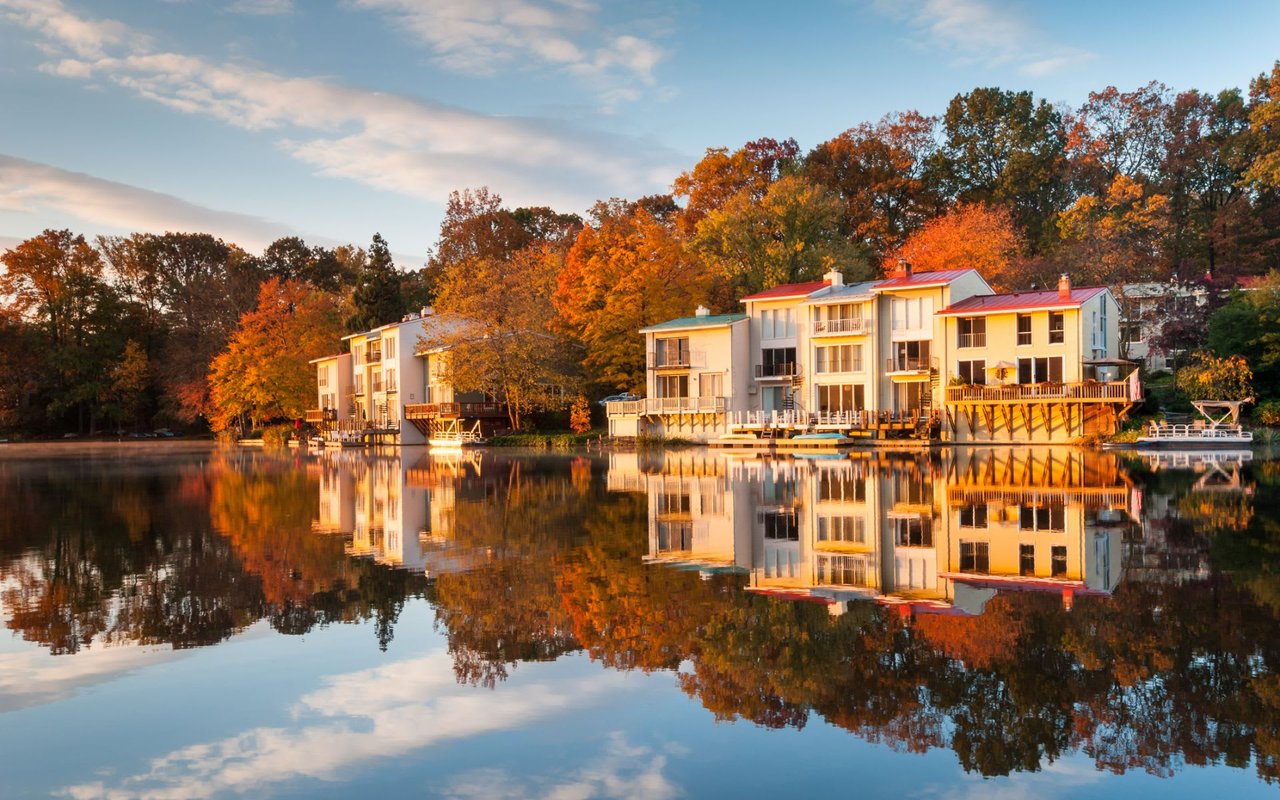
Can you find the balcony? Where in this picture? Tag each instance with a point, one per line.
(676, 359)
(782, 370)
(1126, 391)
(856, 326)
(663, 406)
(314, 415)
(453, 410)
(910, 364)
(978, 339)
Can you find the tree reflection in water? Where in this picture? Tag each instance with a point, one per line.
(1140, 628)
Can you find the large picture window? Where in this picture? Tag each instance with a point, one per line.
(973, 371)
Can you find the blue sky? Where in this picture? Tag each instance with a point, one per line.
(253, 119)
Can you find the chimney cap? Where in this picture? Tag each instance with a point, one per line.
(702, 311)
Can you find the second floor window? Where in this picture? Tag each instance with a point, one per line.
(389, 349)
(972, 332)
(778, 361)
(322, 378)
(840, 358)
(671, 352)
(974, 557)
(1024, 329)
(391, 380)
(1057, 328)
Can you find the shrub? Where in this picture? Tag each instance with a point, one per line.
(277, 435)
(1208, 377)
(1268, 413)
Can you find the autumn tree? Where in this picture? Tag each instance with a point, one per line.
(880, 173)
(124, 397)
(792, 234)
(1118, 237)
(1264, 128)
(721, 176)
(627, 269)
(970, 236)
(1248, 326)
(264, 373)
(1120, 134)
(1006, 148)
(1210, 377)
(500, 340)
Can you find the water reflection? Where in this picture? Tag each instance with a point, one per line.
(1014, 606)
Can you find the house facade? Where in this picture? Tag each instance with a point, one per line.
(391, 388)
(881, 358)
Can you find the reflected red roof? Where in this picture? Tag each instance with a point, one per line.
(789, 290)
(917, 280)
(1021, 301)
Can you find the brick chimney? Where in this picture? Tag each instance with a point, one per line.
(904, 269)
(702, 311)
(835, 277)
(1064, 287)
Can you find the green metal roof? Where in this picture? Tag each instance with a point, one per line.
(709, 321)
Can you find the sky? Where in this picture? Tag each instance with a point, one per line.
(333, 119)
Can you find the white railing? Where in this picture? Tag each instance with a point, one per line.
(768, 419)
(666, 405)
(852, 325)
(1197, 431)
(673, 358)
(978, 339)
(842, 419)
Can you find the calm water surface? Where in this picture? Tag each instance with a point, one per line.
(189, 622)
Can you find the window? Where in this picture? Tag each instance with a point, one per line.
(322, 377)
(840, 397)
(840, 358)
(778, 362)
(842, 317)
(671, 352)
(357, 356)
(972, 332)
(851, 530)
(359, 383)
(1026, 560)
(375, 381)
(913, 531)
(1040, 370)
(842, 571)
(389, 349)
(1057, 328)
(974, 516)
(675, 536)
(974, 557)
(1024, 329)
(841, 487)
(973, 371)
(673, 503)
(1102, 326)
(780, 526)
(910, 356)
(777, 323)
(672, 385)
(1058, 560)
(1042, 518)
(711, 384)
(391, 380)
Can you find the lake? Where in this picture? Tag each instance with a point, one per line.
(192, 622)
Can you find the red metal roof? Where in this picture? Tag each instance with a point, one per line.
(918, 279)
(789, 290)
(1021, 301)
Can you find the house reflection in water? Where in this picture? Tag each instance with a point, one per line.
(926, 534)
(398, 512)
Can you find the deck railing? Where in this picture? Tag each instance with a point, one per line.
(1112, 391)
(666, 405)
(857, 325)
(676, 359)
(907, 364)
(430, 410)
(314, 415)
(977, 339)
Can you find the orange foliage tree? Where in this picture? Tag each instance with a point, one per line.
(976, 235)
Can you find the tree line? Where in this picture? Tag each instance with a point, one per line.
(1131, 186)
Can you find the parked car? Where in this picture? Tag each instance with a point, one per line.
(617, 398)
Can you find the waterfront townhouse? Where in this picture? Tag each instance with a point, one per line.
(391, 388)
(696, 374)
(1039, 366)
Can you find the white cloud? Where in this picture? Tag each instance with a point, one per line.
(354, 721)
(33, 677)
(487, 38)
(982, 32)
(29, 188)
(414, 147)
(622, 771)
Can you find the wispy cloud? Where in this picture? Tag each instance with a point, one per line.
(27, 187)
(407, 145)
(982, 32)
(488, 38)
(622, 771)
(356, 720)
